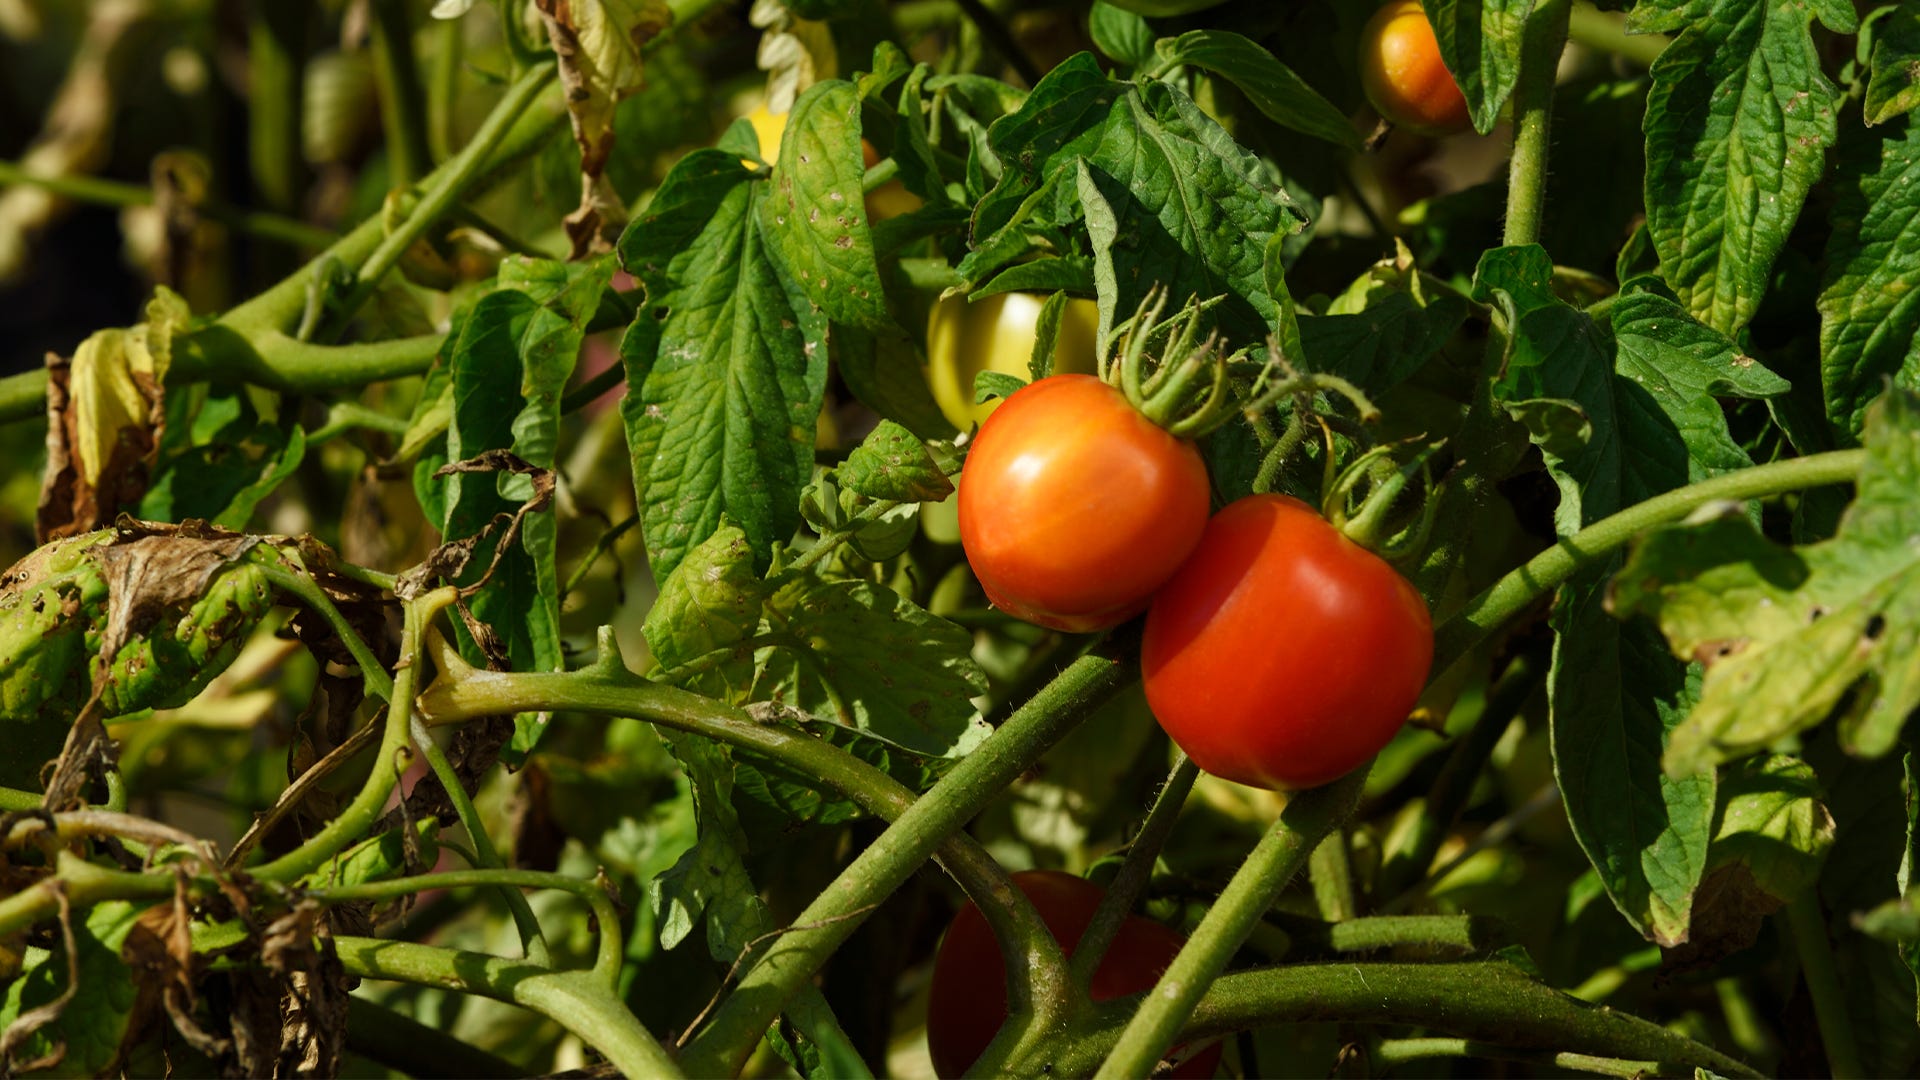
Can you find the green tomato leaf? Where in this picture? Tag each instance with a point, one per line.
(1893, 82)
(1060, 120)
(1171, 199)
(1793, 635)
(815, 217)
(1383, 328)
(1054, 273)
(861, 655)
(1774, 823)
(709, 603)
(891, 463)
(94, 1024)
(1269, 85)
(1480, 43)
(1870, 300)
(1737, 122)
(988, 385)
(1122, 35)
(1619, 421)
(726, 366)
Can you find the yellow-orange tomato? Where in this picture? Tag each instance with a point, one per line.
(1401, 71)
(769, 127)
(997, 334)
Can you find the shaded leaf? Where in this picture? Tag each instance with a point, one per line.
(1893, 81)
(1870, 300)
(1270, 86)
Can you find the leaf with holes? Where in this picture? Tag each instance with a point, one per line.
(1791, 636)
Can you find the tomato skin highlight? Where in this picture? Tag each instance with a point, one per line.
(968, 1001)
(1074, 508)
(1403, 75)
(997, 333)
(1283, 655)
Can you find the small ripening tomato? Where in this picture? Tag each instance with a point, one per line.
(1401, 71)
(1283, 655)
(968, 1001)
(996, 333)
(1074, 507)
(769, 127)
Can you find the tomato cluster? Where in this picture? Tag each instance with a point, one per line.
(968, 1001)
(1277, 653)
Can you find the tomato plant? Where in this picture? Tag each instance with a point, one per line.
(489, 595)
(1283, 653)
(967, 998)
(1074, 507)
(1404, 74)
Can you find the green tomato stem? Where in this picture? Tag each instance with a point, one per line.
(1507, 598)
(609, 688)
(93, 189)
(364, 810)
(1135, 869)
(1481, 1000)
(577, 1000)
(1330, 870)
(1309, 817)
(722, 1047)
(485, 856)
(1546, 35)
(1808, 925)
(607, 955)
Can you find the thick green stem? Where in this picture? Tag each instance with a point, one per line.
(1308, 818)
(723, 1046)
(445, 188)
(608, 688)
(1514, 593)
(606, 964)
(1482, 1000)
(1414, 857)
(1809, 927)
(449, 42)
(84, 884)
(1546, 35)
(1135, 869)
(576, 999)
(403, 103)
(1330, 870)
(1390, 1053)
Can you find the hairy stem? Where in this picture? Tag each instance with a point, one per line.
(1308, 818)
(1546, 35)
(1389, 1053)
(1131, 881)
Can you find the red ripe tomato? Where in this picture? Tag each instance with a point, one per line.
(1074, 507)
(1401, 71)
(968, 1000)
(1283, 655)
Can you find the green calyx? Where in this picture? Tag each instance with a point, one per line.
(1188, 390)
(1377, 482)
